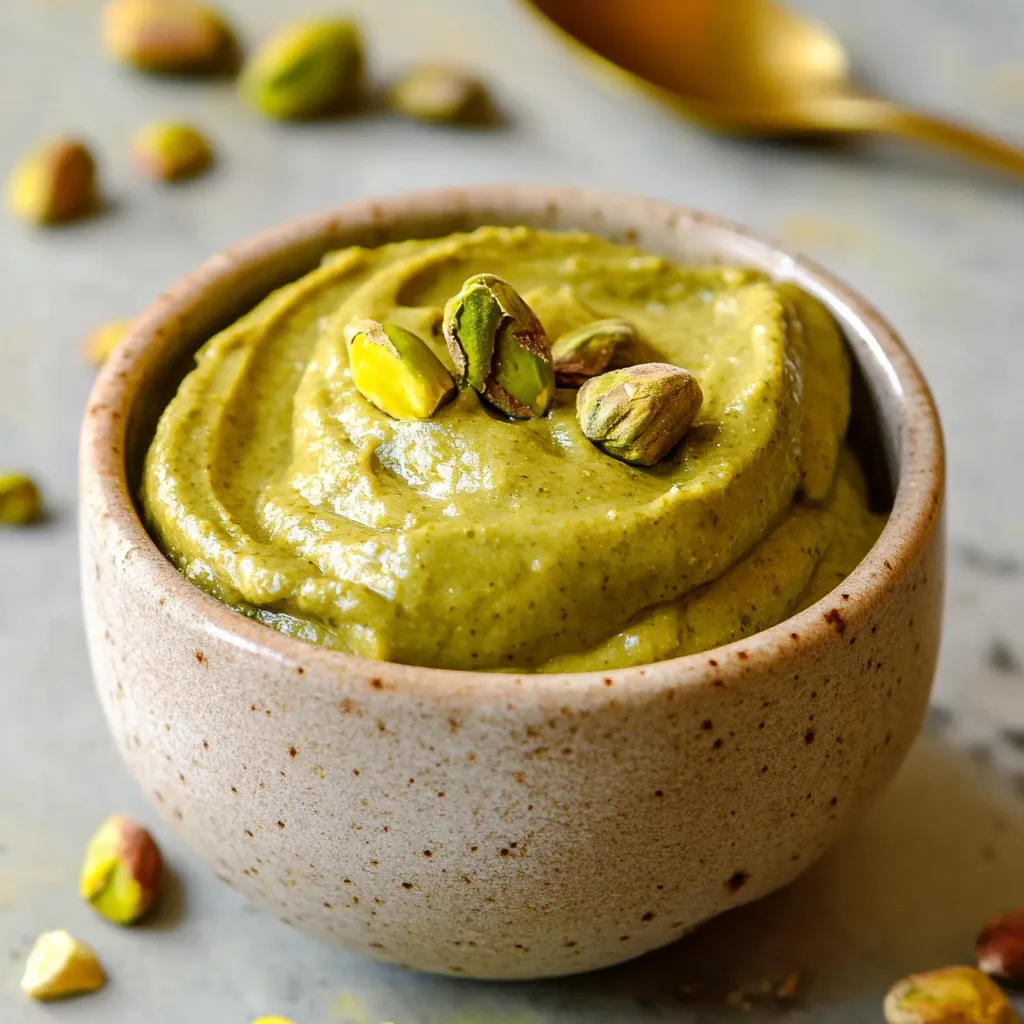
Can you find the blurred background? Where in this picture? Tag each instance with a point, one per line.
(935, 243)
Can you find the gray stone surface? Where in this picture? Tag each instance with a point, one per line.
(937, 245)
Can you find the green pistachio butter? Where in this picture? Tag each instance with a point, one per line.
(471, 540)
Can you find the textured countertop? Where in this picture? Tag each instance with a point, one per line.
(937, 245)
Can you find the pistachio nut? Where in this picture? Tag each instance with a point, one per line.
(171, 150)
(60, 966)
(20, 502)
(168, 35)
(950, 995)
(122, 870)
(499, 347)
(272, 1020)
(440, 93)
(396, 371)
(309, 68)
(640, 413)
(1000, 947)
(54, 183)
(587, 351)
(101, 341)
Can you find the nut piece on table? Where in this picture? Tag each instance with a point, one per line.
(101, 341)
(122, 870)
(440, 93)
(950, 995)
(1000, 947)
(272, 1020)
(20, 502)
(172, 36)
(396, 371)
(309, 68)
(587, 351)
(499, 347)
(60, 966)
(54, 183)
(640, 413)
(170, 151)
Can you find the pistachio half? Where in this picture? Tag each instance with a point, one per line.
(499, 347)
(396, 371)
(54, 183)
(640, 413)
(306, 69)
(440, 93)
(101, 341)
(59, 966)
(587, 351)
(950, 995)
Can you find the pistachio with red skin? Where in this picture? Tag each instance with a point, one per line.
(1000, 947)
(122, 870)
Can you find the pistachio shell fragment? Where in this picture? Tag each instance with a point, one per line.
(20, 502)
(639, 414)
(60, 966)
(499, 347)
(171, 151)
(167, 35)
(54, 183)
(950, 995)
(396, 371)
(440, 93)
(587, 351)
(122, 870)
(309, 68)
(101, 341)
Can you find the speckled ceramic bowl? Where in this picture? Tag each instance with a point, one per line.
(505, 826)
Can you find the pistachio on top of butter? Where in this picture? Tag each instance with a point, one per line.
(499, 347)
(396, 371)
(587, 351)
(640, 413)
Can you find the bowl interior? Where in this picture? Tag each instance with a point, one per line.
(229, 285)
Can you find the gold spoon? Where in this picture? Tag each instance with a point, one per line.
(751, 67)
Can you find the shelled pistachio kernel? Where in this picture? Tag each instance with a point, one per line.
(122, 870)
(54, 183)
(499, 347)
(587, 351)
(950, 995)
(20, 501)
(640, 413)
(396, 371)
(439, 93)
(171, 151)
(308, 68)
(168, 35)
(101, 341)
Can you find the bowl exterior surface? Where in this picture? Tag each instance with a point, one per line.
(504, 826)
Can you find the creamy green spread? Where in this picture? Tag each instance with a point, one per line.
(472, 541)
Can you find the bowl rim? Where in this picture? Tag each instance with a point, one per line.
(105, 493)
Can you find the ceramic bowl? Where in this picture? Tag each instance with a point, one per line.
(495, 825)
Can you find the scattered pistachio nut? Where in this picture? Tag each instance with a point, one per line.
(54, 183)
(440, 93)
(587, 351)
(1000, 947)
(122, 870)
(170, 36)
(20, 502)
(309, 68)
(950, 995)
(396, 371)
(640, 413)
(272, 1020)
(171, 150)
(499, 347)
(101, 341)
(59, 966)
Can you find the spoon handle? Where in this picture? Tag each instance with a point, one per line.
(871, 115)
